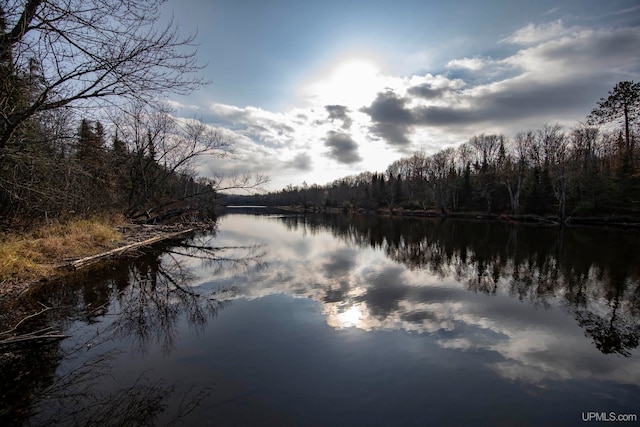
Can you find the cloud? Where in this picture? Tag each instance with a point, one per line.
(533, 34)
(339, 112)
(301, 162)
(342, 147)
(474, 64)
(391, 117)
(426, 91)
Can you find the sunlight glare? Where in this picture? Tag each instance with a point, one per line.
(350, 317)
(353, 82)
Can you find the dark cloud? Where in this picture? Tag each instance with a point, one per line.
(426, 91)
(515, 100)
(445, 116)
(342, 147)
(339, 112)
(519, 100)
(389, 107)
(302, 162)
(392, 119)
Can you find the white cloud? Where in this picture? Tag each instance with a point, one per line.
(474, 64)
(533, 34)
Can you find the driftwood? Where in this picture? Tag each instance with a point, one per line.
(74, 265)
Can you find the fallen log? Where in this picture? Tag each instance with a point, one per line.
(74, 265)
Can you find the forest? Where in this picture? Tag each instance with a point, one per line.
(590, 170)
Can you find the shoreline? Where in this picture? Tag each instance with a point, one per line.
(603, 221)
(133, 237)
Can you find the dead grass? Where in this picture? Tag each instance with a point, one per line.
(36, 254)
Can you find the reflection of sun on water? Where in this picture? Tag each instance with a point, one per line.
(350, 317)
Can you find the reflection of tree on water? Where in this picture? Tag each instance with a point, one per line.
(610, 334)
(74, 399)
(150, 309)
(145, 299)
(619, 331)
(594, 273)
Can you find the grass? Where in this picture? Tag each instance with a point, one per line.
(36, 254)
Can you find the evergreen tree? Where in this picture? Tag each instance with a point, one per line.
(623, 103)
(91, 145)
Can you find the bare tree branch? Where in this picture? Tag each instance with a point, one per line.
(89, 53)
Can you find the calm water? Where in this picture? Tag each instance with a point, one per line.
(341, 321)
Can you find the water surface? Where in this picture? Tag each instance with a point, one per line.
(338, 320)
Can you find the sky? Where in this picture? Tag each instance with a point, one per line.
(310, 91)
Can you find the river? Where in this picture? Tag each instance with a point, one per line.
(336, 320)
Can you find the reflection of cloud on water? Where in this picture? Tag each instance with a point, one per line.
(360, 287)
(340, 263)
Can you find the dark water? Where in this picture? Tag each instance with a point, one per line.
(341, 321)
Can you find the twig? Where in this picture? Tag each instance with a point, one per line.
(31, 316)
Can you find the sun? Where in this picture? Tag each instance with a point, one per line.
(352, 82)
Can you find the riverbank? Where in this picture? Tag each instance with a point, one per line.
(50, 251)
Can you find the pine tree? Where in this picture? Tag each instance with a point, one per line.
(623, 103)
(91, 146)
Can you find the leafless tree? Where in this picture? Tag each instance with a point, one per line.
(487, 150)
(514, 167)
(160, 148)
(85, 53)
(438, 174)
(556, 150)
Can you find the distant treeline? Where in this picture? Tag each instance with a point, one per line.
(583, 171)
